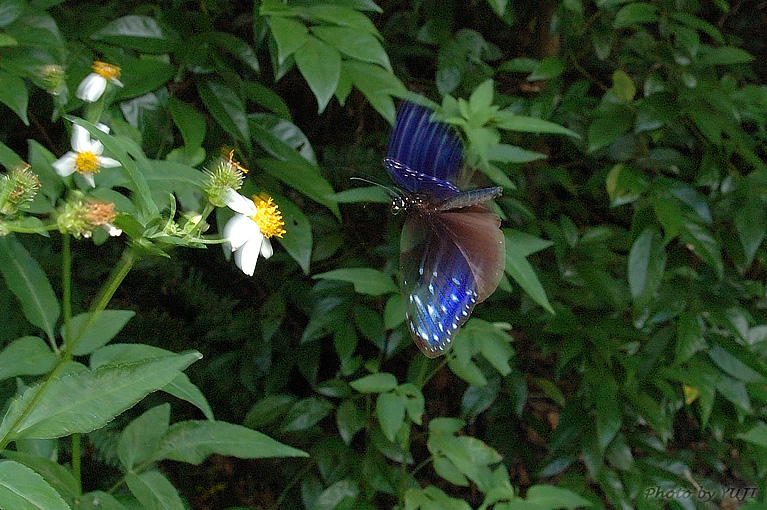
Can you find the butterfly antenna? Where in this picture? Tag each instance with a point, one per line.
(391, 191)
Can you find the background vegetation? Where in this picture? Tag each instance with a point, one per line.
(620, 365)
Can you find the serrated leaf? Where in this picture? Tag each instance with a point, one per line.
(506, 153)
(84, 401)
(27, 281)
(27, 355)
(366, 280)
(154, 491)
(107, 324)
(549, 496)
(140, 439)
(635, 13)
(194, 441)
(23, 489)
(99, 500)
(58, 476)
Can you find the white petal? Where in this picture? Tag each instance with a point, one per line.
(89, 179)
(91, 88)
(247, 256)
(103, 127)
(105, 162)
(81, 139)
(95, 147)
(112, 230)
(239, 203)
(239, 230)
(115, 81)
(266, 249)
(65, 165)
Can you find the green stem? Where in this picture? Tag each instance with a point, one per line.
(107, 291)
(66, 287)
(76, 455)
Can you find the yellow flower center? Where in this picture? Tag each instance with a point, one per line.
(87, 163)
(108, 71)
(268, 217)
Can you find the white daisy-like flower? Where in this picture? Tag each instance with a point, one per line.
(85, 157)
(93, 86)
(249, 230)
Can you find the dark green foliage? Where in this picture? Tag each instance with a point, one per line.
(622, 363)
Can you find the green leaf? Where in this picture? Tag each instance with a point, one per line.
(625, 185)
(236, 47)
(350, 419)
(354, 43)
(375, 383)
(282, 139)
(608, 128)
(335, 496)
(506, 153)
(725, 55)
(154, 491)
(27, 281)
(107, 324)
(14, 94)
(609, 419)
(289, 35)
(188, 120)
(366, 280)
(756, 435)
(549, 496)
(141, 76)
(305, 414)
(522, 272)
(141, 438)
(267, 98)
(751, 225)
(340, 15)
(56, 475)
(297, 239)
(689, 335)
(9, 11)
(304, 178)
(99, 500)
(226, 106)
(23, 489)
(320, 65)
(138, 32)
(635, 13)
(703, 244)
(366, 194)
(377, 84)
(390, 411)
(394, 312)
(623, 86)
(548, 68)
(414, 401)
(646, 263)
(84, 401)
(180, 387)
(193, 441)
(28, 355)
(482, 96)
(511, 122)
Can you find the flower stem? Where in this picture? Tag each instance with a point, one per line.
(110, 287)
(76, 455)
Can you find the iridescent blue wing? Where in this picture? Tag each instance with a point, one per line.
(450, 262)
(423, 155)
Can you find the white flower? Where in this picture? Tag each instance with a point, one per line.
(248, 232)
(94, 85)
(85, 157)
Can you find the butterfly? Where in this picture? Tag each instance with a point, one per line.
(452, 251)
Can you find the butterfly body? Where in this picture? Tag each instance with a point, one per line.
(452, 250)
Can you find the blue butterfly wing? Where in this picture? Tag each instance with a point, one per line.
(450, 262)
(423, 155)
